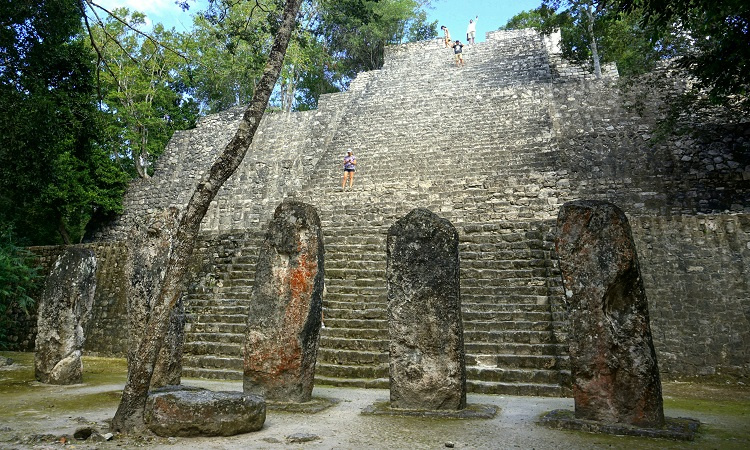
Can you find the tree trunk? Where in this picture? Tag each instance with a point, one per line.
(129, 415)
(592, 37)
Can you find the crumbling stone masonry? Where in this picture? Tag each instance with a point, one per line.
(64, 309)
(537, 131)
(427, 362)
(283, 325)
(612, 357)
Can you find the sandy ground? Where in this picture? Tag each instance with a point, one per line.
(33, 415)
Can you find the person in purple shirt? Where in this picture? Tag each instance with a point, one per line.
(350, 165)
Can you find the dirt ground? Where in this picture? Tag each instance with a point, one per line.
(34, 415)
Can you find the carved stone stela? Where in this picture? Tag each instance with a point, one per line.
(427, 361)
(283, 328)
(612, 357)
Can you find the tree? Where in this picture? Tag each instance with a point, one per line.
(718, 32)
(55, 171)
(357, 31)
(18, 279)
(129, 415)
(620, 37)
(142, 87)
(227, 49)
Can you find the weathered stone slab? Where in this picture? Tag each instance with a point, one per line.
(283, 328)
(179, 411)
(680, 428)
(64, 309)
(427, 360)
(612, 357)
(149, 246)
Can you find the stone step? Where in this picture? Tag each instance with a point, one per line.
(355, 333)
(213, 362)
(372, 345)
(370, 371)
(515, 336)
(196, 348)
(369, 312)
(338, 323)
(217, 337)
(194, 328)
(515, 348)
(211, 373)
(508, 325)
(350, 357)
(214, 316)
(378, 383)
(517, 375)
(520, 389)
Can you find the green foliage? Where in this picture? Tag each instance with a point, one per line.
(717, 34)
(357, 31)
(142, 84)
(227, 51)
(18, 278)
(620, 36)
(54, 172)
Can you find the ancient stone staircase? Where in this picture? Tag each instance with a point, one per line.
(473, 145)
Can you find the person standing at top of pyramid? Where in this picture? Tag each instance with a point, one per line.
(471, 30)
(446, 36)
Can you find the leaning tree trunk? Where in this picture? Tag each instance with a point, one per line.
(129, 415)
(592, 37)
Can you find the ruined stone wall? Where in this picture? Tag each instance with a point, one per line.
(551, 132)
(106, 331)
(696, 270)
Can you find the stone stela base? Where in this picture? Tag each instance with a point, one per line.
(472, 411)
(315, 405)
(679, 428)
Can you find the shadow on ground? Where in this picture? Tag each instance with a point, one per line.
(34, 415)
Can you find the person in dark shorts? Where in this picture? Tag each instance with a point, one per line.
(350, 165)
(458, 53)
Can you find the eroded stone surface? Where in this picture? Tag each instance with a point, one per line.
(178, 411)
(427, 361)
(148, 247)
(64, 309)
(612, 357)
(283, 328)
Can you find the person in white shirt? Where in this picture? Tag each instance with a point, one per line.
(471, 30)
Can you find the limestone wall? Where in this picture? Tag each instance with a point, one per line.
(696, 271)
(505, 140)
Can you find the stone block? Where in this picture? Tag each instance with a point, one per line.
(427, 360)
(612, 357)
(64, 309)
(190, 412)
(283, 327)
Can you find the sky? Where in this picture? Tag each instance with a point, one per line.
(454, 14)
(493, 14)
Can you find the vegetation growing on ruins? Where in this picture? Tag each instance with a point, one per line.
(95, 99)
(18, 279)
(710, 40)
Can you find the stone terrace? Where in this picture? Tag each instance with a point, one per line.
(495, 147)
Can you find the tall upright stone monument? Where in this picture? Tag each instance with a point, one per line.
(427, 360)
(283, 327)
(612, 357)
(64, 309)
(149, 245)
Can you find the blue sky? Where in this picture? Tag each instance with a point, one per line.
(454, 14)
(493, 14)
